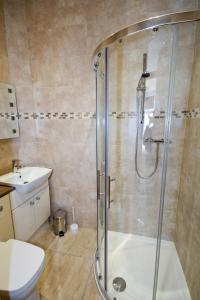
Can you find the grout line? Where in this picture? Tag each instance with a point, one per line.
(86, 285)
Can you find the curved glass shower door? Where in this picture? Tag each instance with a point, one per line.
(144, 95)
(179, 261)
(139, 79)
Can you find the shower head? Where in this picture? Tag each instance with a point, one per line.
(145, 74)
(141, 87)
(142, 82)
(144, 62)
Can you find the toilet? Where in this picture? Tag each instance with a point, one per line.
(21, 265)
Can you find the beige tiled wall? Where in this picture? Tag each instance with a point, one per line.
(135, 207)
(3, 49)
(187, 237)
(50, 45)
(7, 147)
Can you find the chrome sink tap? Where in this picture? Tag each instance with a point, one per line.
(16, 165)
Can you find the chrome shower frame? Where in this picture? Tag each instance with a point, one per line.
(148, 24)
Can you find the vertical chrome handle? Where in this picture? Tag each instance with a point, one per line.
(98, 184)
(109, 182)
(99, 194)
(108, 191)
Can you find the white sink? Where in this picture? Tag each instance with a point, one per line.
(26, 179)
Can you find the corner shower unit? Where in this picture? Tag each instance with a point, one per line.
(147, 82)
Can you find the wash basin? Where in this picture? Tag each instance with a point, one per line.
(26, 179)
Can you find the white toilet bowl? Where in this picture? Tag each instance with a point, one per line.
(21, 265)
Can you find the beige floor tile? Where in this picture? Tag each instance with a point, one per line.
(91, 292)
(87, 254)
(85, 238)
(81, 244)
(43, 237)
(44, 298)
(85, 244)
(63, 244)
(68, 265)
(65, 277)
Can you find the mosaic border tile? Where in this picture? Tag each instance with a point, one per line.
(49, 115)
(183, 114)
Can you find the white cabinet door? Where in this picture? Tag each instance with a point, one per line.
(42, 206)
(24, 220)
(29, 216)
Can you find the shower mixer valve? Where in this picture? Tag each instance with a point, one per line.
(150, 140)
(159, 141)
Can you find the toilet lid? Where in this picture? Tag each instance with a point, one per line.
(19, 263)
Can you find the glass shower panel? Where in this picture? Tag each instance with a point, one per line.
(101, 165)
(179, 267)
(139, 74)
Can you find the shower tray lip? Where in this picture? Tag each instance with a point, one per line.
(102, 292)
(150, 23)
(134, 241)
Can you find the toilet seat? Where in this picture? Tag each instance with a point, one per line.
(20, 267)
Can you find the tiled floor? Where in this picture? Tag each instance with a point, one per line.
(68, 273)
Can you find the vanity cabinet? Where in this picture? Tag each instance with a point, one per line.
(42, 207)
(24, 220)
(6, 224)
(32, 213)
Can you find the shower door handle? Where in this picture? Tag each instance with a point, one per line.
(99, 194)
(108, 191)
(98, 184)
(109, 182)
(112, 179)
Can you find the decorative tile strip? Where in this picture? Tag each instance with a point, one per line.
(49, 116)
(122, 114)
(183, 114)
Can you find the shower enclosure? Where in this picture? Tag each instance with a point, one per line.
(148, 208)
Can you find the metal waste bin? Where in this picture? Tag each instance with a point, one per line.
(59, 222)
